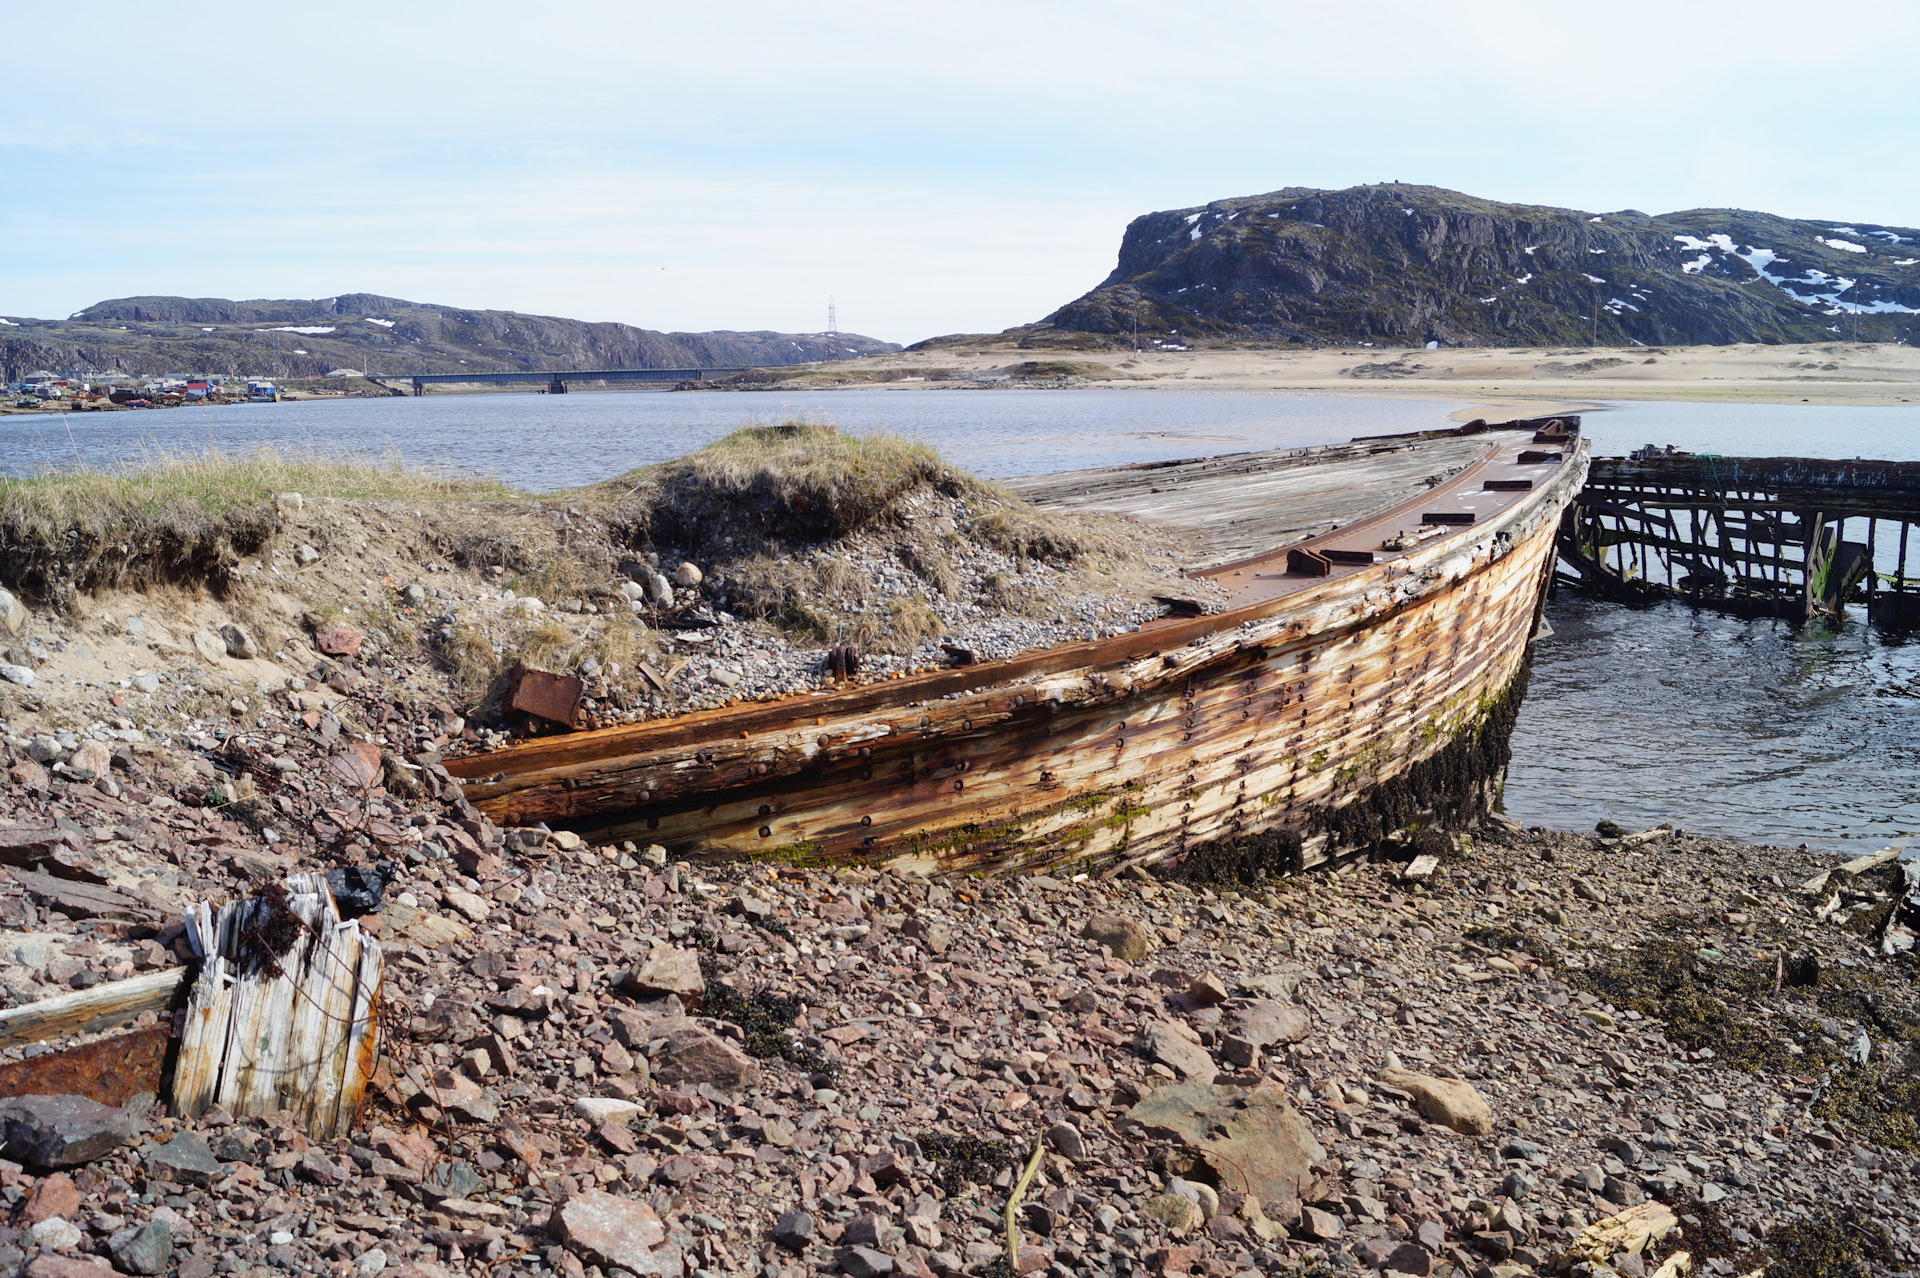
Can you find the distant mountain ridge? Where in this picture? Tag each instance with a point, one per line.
(1401, 265)
(385, 336)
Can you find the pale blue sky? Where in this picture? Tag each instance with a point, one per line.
(935, 167)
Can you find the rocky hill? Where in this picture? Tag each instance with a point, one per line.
(379, 335)
(1397, 265)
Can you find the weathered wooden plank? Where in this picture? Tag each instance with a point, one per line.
(85, 1011)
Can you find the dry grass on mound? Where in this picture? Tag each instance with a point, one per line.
(774, 488)
(177, 518)
(163, 485)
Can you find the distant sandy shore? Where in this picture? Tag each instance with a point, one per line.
(1549, 379)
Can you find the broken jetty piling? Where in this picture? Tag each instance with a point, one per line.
(1791, 537)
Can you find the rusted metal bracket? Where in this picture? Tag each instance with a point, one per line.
(551, 698)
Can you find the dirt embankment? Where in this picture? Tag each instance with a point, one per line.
(727, 575)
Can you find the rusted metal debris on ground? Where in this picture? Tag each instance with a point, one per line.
(109, 1070)
(550, 698)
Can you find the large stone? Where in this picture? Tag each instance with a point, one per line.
(1451, 1102)
(55, 1195)
(92, 757)
(142, 1249)
(693, 1056)
(1209, 990)
(686, 575)
(239, 642)
(1174, 1211)
(16, 674)
(459, 1095)
(667, 970)
(208, 645)
(187, 1159)
(1631, 1231)
(1280, 986)
(865, 1262)
(607, 1230)
(1250, 1137)
(471, 904)
(49, 1265)
(338, 640)
(13, 614)
(794, 1231)
(1123, 937)
(1265, 1023)
(1173, 1044)
(61, 1131)
(607, 1109)
(1323, 1225)
(56, 1233)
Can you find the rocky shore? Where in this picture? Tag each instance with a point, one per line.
(1610, 1054)
(598, 1061)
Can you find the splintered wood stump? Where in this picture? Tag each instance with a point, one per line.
(285, 1012)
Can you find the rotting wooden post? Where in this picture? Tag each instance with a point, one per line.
(1873, 564)
(285, 1012)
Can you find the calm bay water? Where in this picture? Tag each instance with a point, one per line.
(1748, 729)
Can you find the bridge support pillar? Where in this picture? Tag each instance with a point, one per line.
(419, 388)
(556, 387)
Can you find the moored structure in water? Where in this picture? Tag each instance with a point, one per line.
(1356, 690)
(1792, 537)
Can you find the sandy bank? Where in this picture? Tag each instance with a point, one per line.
(1828, 373)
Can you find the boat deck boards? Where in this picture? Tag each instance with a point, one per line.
(1245, 504)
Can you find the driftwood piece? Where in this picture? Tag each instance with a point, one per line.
(84, 1011)
(284, 1014)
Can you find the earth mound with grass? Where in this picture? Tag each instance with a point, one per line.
(717, 577)
(874, 540)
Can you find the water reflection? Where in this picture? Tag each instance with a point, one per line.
(1753, 729)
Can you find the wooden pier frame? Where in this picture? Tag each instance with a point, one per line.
(1790, 537)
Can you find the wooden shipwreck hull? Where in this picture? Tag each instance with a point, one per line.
(1335, 704)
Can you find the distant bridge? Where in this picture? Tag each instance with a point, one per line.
(557, 381)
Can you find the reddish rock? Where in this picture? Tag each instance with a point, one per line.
(56, 1195)
(692, 1056)
(48, 1265)
(606, 1230)
(338, 640)
(668, 971)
